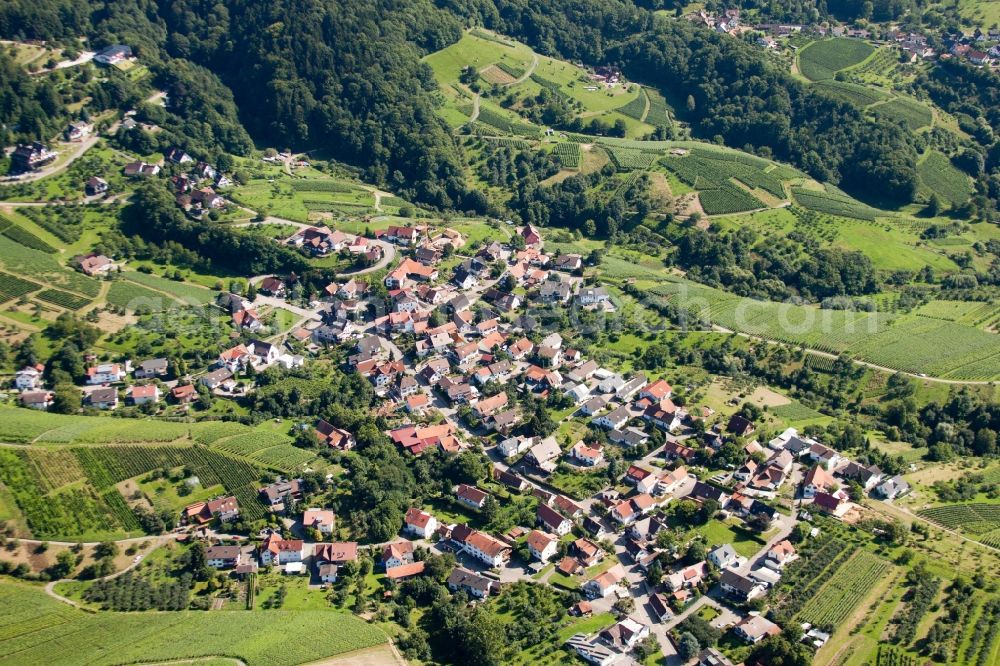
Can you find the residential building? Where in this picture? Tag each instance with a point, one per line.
(542, 545)
(755, 628)
(740, 587)
(277, 551)
(471, 496)
(473, 584)
(552, 520)
(223, 557)
(319, 519)
(419, 523)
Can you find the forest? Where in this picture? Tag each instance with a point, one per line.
(369, 100)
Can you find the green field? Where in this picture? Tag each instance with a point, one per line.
(821, 60)
(35, 629)
(941, 177)
(852, 93)
(834, 202)
(979, 521)
(909, 111)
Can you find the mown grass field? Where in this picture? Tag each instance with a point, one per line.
(35, 629)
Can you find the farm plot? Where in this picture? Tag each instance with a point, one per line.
(131, 296)
(21, 426)
(211, 432)
(805, 577)
(12, 287)
(499, 120)
(628, 159)
(20, 235)
(852, 93)
(187, 293)
(659, 113)
(36, 265)
(728, 199)
(636, 108)
(74, 513)
(63, 299)
(821, 60)
(834, 203)
(568, 155)
(705, 170)
(912, 113)
(972, 518)
(36, 629)
(942, 348)
(940, 175)
(845, 589)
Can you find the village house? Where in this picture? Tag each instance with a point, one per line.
(604, 584)
(755, 628)
(419, 523)
(95, 185)
(216, 378)
(613, 420)
(334, 437)
(544, 454)
(102, 398)
(93, 264)
(156, 367)
(686, 578)
(397, 554)
(625, 634)
(552, 520)
(724, 556)
(277, 551)
(492, 552)
(780, 554)
(278, 493)
(470, 496)
(140, 395)
(586, 455)
(892, 488)
(817, 480)
(541, 545)
(740, 587)
(222, 557)
(337, 553)
(226, 509)
(319, 519)
(41, 400)
(473, 584)
(29, 377)
(31, 156)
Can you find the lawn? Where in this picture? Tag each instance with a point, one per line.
(717, 533)
(36, 629)
(166, 495)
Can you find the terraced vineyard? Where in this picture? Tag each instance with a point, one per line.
(852, 93)
(909, 111)
(568, 154)
(659, 114)
(38, 266)
(707, 170)
(940, 175)
(834, 203)
(821, 60)
(844, 590)
(979, 521)
(63, 299)
(12, 287)
(36, 629)
(628, 159)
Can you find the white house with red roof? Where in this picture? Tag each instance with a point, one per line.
(419, 523)
(542, 545)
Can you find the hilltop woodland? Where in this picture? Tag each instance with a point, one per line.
(377, 113)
